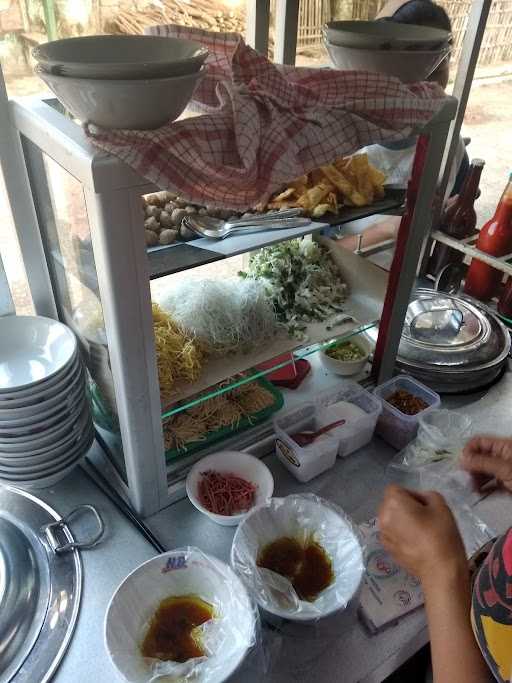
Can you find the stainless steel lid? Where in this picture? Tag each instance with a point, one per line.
(40, 585)
(451, 333)
(452, 343)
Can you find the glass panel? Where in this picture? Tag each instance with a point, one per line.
(64, 223)
(247, 402)
(10, 254)
(231, 391)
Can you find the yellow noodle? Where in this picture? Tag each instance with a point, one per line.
(178, 356)
(213, 414)
(255, 400)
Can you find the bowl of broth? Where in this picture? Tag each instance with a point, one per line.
(181, 615)
(300, 557)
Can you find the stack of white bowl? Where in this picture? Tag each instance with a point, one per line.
(45, 420)
(411, 53)
(120, 81)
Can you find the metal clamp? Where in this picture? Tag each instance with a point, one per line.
(55, 531)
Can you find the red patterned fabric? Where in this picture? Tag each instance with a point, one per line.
(264, 124)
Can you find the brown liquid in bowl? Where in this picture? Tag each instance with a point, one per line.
(170, 636)
(308, 566)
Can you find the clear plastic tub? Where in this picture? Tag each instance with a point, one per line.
(395, 427)
(359, 407)
(310, 461)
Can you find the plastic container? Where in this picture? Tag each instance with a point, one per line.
(395, 427)
(310, 461)
(358, 429)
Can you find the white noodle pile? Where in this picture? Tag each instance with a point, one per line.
(226, 316)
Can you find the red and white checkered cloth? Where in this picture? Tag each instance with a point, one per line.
(264, 125)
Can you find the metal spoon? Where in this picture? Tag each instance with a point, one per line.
(306, 438)
(216, 223)
(197, 225)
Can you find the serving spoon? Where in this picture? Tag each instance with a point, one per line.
(305, 438)
(204, 227)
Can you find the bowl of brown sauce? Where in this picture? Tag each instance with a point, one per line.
(300, 557)
(180, 614)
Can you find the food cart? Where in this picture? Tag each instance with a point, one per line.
(83, 243)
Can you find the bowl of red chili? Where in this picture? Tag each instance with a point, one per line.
(225, 486)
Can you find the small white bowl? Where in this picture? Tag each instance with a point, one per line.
(243, 465)
(136, 104)
(346, 368)
(176, 573)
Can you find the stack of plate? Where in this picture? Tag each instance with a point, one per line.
(411, 53)
(45, 420)
(122, 81)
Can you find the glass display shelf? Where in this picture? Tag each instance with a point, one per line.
(179, 256)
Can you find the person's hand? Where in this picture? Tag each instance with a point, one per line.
(420, 533)
(488, 457)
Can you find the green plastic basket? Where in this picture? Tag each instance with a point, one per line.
(226, 432)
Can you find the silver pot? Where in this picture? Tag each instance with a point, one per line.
(451, 342)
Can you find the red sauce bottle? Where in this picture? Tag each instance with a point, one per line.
(483, 281)
(459, 220)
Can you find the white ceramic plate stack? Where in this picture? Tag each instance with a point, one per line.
(45, 421)
(138, 82)
(411, 53)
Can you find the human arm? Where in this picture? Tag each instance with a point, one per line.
(377, 232)
(419, 531)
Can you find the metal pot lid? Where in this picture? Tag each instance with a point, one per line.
(450, 332)
(40, 586)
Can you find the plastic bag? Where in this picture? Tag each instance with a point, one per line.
(441, 437)
(302, 517)
(433, 456)
(226, 639)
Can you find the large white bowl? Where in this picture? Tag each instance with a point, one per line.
(42, 470)
(242, 464)
(302, 517)
(32, 349)
(177, 573)
(42, 392)
(71, 433)
(53, 452)
(119, 56)
(57, 455)
(385, 35)
(44, 427)
(59, 410)
(46, 481)
(133, 104)
(408, 66)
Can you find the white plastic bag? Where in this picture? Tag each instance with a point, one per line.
(226, 638)
(302, 517)
(434, 455)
